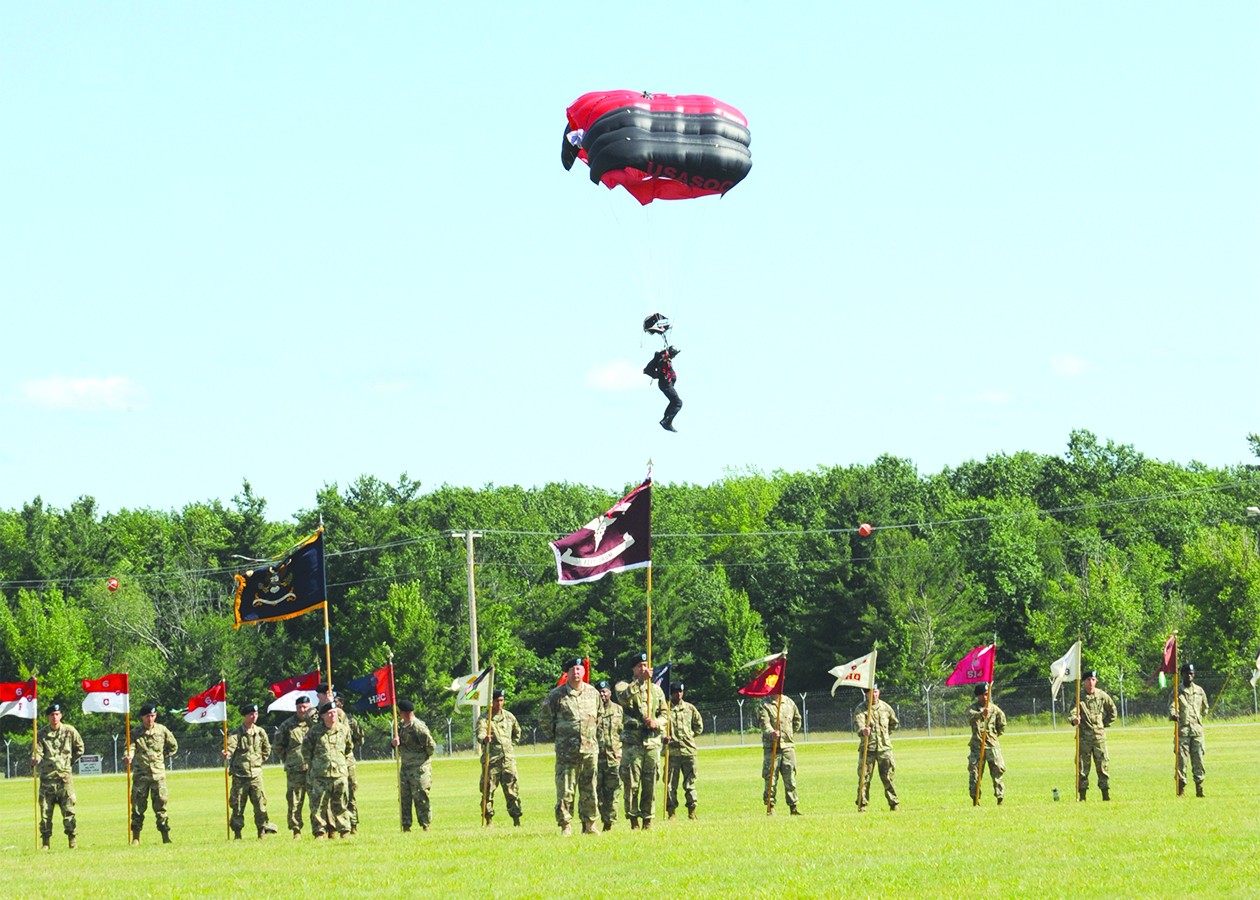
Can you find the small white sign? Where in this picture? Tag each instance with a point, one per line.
(90, 764)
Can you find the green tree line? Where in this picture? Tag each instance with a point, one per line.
(1035, 550)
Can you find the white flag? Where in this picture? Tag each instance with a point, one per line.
(1255, 676)
(860, 673)
(470, 690)
(1066, 668)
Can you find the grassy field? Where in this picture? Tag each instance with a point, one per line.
(1145, 843)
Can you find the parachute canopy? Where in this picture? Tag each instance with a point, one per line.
(656, 146)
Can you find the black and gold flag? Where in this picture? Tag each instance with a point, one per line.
(286, 589)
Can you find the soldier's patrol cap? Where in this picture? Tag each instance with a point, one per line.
(52, 708)
(604, 685)
(406, 706)
(247, 708)
(147, 709)
(572, 661)
(638, 658)
(303, 699)
(1090, 673)
(326, 707)
(321, 688)
(677, 687)
(498, 692)
(981, 688)
(1187, 669)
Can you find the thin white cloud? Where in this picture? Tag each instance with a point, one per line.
(90, 394)
(1069, 366)
(616, 376)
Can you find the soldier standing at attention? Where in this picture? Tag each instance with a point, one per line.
(1094, 715)
(247, 750)
(986, 719)
(326, 748)
(876, 726)
(289, 750)
(415, 751)
(568, 717)
(780, 722)
(357, 738)
(151, 744)
(646, 713)
(685, 722)
(1189, 709)
(608, 775)
(498, 733)
(59, 748)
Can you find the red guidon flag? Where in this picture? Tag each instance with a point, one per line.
(290, 689)
(17, 698)
(768, 681)
(107, 695)
(975, 667)
(208, 706)
(619, 540)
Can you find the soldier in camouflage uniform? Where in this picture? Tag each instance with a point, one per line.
(608, 774)
(876, 725)
(151, 744)
(415, 751)
(357, 738)
(326, 749)
(59, 748)
(568, 717)
(646, 713)
(247, 750)
(497, 743)
(782, 722)
(685, 722)
(1189, 709)
(986, 719)
(1094, 715)
(289, 750)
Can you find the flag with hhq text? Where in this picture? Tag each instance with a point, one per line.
(1066, 668)
(1168, 665)
(619, 540)
(975, 667)
(208, 706)
(293, 586)
(287, 692)
(768, 681)
(858, 673)
(377, 688)
(17, 698)
(470, 690)
(108, 694)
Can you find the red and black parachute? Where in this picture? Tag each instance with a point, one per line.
(656, 146)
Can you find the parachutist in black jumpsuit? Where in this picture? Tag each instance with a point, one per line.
(662, 369)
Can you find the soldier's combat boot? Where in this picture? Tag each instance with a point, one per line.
(297, 833)
(647, 824)
(588, 826)
(691, 813)
(236, 834)
(671, 814)
(566, 830)
(43, 842)
(135, 838)
(166, 835)
(74, 841)
(516, 821)
(1082, 795)
(1198, 790)
(1181, 787)
(797, 812)
(1106, 792)
(634, 823)
(608, 826)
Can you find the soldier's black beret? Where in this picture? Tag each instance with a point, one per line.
(52, 708)
(981, 688)
(1090, 673)
(604, 685)
(638, 658)
(498, 692)
(677, 686)
(573, 661)
(321, 688)
(326, 707)
(147, 708)
(406, 706)
(303, 699)
(1187, 668)
(247, 708)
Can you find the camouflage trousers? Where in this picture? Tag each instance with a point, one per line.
(248, 789)
(785, 766)
(997, 769)
(1095, 752)
(295, 798)
(143, 789)
(414, 786)
(639, 768)
(607, 787)
(55, 792)
(330, 805)
(352, 804)
(575, 787)
(883, 760)
(502, 774)
(681, 768)
(1190, 750)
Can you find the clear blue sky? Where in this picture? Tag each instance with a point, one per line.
(300, 243)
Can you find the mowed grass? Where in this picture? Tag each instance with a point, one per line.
(1145, 843)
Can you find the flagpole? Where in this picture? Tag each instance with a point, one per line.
(1078, 729)
(227, 801)
(864, 775)
(393, 693)
(485, 761)
(127, 730)
(34, 773)
(1177, 786)
(984, 733)
(774, 747)
(649, 613)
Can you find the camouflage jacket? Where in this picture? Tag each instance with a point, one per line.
(248, 749)
(151, 749)
(685, 722)
(608, 731)
(787, 721)
(1190, 708)
(313, 719)
(415, 744)
(1098, 711)
(327, 750)
(990, 722)
(289, 743)
(883, 722)
(504, 735)
(57, 752)
(357, 737)
(568, 716)
(642, 700)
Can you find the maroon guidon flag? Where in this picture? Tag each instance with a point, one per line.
(619, 540)
(975, 667)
